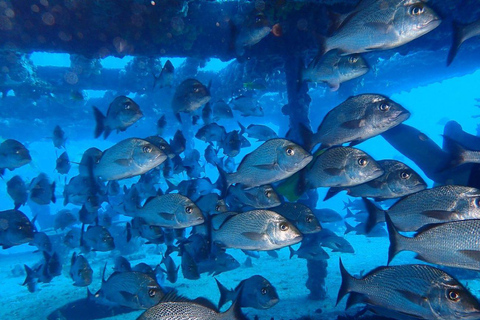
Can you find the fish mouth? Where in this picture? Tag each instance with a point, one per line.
(432, 23)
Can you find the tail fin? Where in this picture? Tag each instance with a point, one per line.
(54, 199)
(456, 150)
(100, 122)
(396, 239)
(349, 213)
(234, 312)
(242, 129)
(30, 275)
(348, 227)
(347, 281)
(292, 252)
(333, 191)
(222, 183)
(224, 294)
(373, 213)
(294, 187)
(129, 231)
(456, 42)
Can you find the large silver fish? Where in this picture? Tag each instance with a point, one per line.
(359, 118)
(171, 210)
(436, 205)
(453, 244)
(398, 180)
(273, 161)
(381, 25)
(342, 167)
(13, 155)
(334, 69)
(256, 230)
(413, 291)
(128, 158)
(121, 114)
(255, 27)
(462, 33)
(174, 307)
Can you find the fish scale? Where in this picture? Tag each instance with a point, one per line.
(453, 244)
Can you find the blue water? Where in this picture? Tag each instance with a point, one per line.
(431, 106)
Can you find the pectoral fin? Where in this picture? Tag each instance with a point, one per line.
(265, 166)
(472, 254)
(379, 27)
(353, 124)
(167, 216)
(333, 171)
(255, 236)
(438, 214)
(123, 162)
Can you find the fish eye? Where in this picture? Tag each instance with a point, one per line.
(217, 208)
(362, 162)
(258, 18)
(263, 291)
(453, 295)
(290, 152)
(353, 59)
(405, 175)
(267, 194)
(126, 105)
(308, 219)
(152, 293)
(188, 210)
(147, 149)
(196, 89)
(284, 226)
(384, 107)
(417, 10)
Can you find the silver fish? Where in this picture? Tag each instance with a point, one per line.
(334, 69)
(398, 180)
(128, 158)
(13, 155)
(300, 215)
(417, 291)
(121, 114)
(254, 28)
(359, 118)
(436, 205)
(453, 244)
(381, 25)
(273, 161)
(190, 95)
(170, 210)
(256, 230)
(80, 271)
(261, 197)
(342, 167)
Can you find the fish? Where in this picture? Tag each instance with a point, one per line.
(63, 164)
(128, 158)
(171, 269)
(416, 291)
(211, 204)
(189, 96)
(257, 293)
(452, 244)
(247, 106)
(327, 215)
(361, 229)
(170, 210)
(357, 119)
(89, 308)
(15, 228)
(300, 216)
(90, 158)
(461, 33)
(254, 28)
(310, 249)
(397, 181)
(178, 143)
(17, 190)
(381, 25)
(459, 154)
(174, 307)
(41, 191)
(258, 131)
(334, 68)
(211, 156)
(64, 219)
(256, 230)
(330, 240)
(221, 110)
(161, 124)
(13, 155)
(42, 242)
(97, 238)
(59, 137)
(273, 161)
(161, 144)
(211, 133)
(217, 263)
(189, 267)
(261, 197)
(193, 188)
(165, 78)
(233, 142)
(121, 114)
(437, 205)
(80, 271)
(131, 289)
